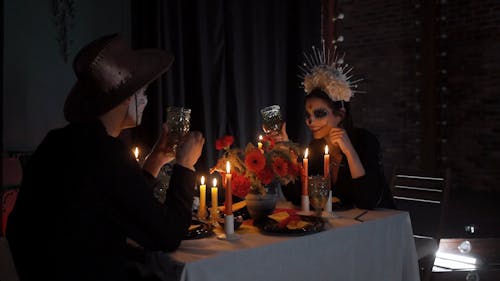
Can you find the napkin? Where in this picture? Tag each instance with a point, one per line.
(288, 219)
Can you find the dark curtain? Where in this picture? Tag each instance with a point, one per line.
(232, 58)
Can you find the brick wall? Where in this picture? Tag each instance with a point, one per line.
(385, 42)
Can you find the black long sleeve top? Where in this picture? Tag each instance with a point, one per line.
(368, 191)
(82, 196)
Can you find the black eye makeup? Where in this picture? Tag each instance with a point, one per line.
(319, 113)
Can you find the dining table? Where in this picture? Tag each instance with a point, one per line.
(354, 245)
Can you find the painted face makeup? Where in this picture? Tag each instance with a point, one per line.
(136, 107)
(319, 118)
(318, 113)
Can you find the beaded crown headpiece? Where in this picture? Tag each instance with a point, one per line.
(325, 70)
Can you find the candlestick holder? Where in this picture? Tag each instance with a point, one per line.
(214, 214)
(202, 214)
(229, 229)
(304, 206)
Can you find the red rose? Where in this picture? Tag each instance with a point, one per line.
(224, 142)
(227, 140)
(219, 145)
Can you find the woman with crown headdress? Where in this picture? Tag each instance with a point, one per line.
(356, 171)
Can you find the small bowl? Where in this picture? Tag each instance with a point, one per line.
(238, 220)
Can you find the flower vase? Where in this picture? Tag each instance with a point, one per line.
(260, 206)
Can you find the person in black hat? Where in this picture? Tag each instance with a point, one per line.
(83, 194)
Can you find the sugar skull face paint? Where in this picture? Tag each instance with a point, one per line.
(320, 118)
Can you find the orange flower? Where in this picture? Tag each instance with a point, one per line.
(280, 166)
(240, 185)
(255, 161)
(265, 175)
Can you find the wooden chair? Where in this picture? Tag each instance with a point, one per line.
(425, 197)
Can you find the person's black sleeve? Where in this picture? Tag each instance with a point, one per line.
(368, 188)
(134, 208)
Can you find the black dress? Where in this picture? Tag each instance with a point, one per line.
(367, 192)
(82, 196)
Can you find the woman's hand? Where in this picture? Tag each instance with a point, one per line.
(338, 136)
(279, 136)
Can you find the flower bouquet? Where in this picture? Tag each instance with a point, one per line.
(254, 168)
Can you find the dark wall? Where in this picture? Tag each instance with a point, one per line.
(36, 77)
(431, 71)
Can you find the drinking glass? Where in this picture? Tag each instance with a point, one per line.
(178, 123)
(272, 121)
(318, 193)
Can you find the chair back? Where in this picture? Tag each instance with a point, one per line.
(425, 197)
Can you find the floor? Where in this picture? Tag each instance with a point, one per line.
(474, 216)
(466, 208)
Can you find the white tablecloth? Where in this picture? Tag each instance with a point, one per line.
(380, 248)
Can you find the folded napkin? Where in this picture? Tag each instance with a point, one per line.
(236, 206)
(288, 218)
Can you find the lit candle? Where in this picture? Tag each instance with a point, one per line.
(203, 191)
(229, 196)
(136, 153)
(305, 163)
(326, 171)
(213, 213)
(259, 144)
(326, 166)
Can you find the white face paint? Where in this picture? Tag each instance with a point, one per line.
(136, 107)
(319, 118)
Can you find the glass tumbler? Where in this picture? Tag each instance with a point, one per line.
(272, 120)
(318, 193)
(178, 123)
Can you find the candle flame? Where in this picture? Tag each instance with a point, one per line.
(260, 137)
(215, 182)
(228, 167)
(326, 149)
(202, 180)
(136, 152)
(306, 153)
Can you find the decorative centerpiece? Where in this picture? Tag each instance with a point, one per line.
(257, 171)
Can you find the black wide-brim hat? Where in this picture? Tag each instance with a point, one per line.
(109, 72)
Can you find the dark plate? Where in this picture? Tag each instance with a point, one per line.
(272, 227)
(203, 230)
